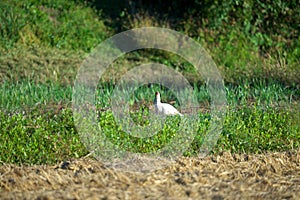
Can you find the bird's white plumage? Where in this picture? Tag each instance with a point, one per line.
(164, 108)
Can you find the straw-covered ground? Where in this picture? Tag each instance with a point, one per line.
(224, 176)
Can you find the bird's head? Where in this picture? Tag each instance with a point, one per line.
(157, 98)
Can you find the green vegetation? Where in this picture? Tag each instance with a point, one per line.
(39, 127)
(255, 45)
(63, 24)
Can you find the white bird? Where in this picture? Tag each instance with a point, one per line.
(164, 108)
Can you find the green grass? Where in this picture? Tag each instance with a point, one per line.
(62, 25)
(41, 139)
(46, 34)
(37, 123)
(43, 44)
(258, 129)
(27, 94)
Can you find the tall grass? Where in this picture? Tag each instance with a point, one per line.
(27, 94)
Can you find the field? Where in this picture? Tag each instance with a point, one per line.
(225, 176)
(45, 155)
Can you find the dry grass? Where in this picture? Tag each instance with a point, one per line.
(226, 176)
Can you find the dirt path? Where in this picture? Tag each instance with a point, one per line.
(268, 176)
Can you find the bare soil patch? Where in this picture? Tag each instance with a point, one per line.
(224, 176)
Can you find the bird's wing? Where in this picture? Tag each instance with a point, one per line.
(169, 109)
